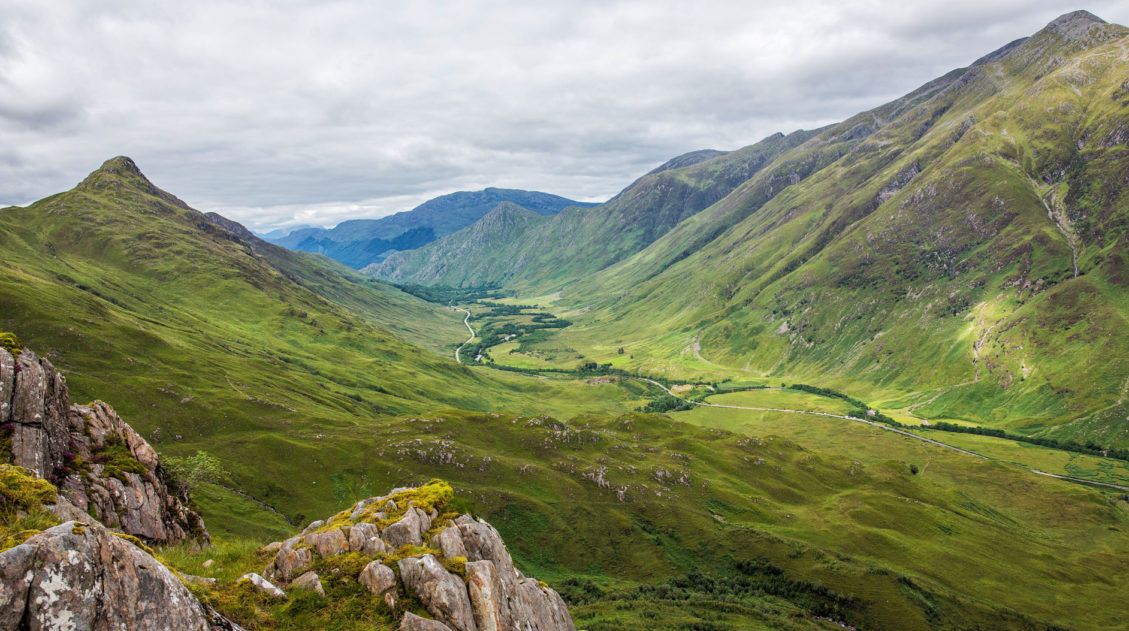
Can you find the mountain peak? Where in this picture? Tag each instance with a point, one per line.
(119, 166)
(1076, 25)
(1075, 18)
(121, 173)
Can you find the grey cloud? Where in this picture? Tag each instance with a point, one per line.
(312, 112)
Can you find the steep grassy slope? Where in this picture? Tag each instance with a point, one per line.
(580, 241)
(968, 239)
(360, 242)
(469, 257)
(204, 337)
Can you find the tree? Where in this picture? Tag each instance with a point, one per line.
(201, 467)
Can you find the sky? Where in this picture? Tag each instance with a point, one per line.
(311, 111)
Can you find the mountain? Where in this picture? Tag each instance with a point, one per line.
(580, 241)
(207, 337)
(971, 245)
(360, 242)
(957, 252)
(461, 258)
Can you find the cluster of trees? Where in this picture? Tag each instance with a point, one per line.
(451, 295)
(1089, 448)
(744, 581)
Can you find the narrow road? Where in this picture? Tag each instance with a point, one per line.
(466, 323)
(824, 414)
(1081, 480)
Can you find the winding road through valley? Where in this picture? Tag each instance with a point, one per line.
(466, 323)
(882, 426)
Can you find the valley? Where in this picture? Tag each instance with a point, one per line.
(869, 376)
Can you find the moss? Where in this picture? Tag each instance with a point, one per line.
(455, 565)
(78, 528)
(21, 490)
(435, 495)
(137, 542)
(10, 343)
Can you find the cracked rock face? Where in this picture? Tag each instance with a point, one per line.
(489, 594)
(68, 444)
(82, 576)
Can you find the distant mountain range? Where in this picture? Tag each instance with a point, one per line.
(361, 242)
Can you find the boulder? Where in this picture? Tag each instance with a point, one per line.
(409, 530)
(329, 543)
(360, 535)
(49, 435)
(290, 562)
(82, 576)
(381, 581)
(7, 384)
(263, 585)
(412, 622)
(539, 608)
(442, 593)
(309, 581)
(487, 598)
(450, 543)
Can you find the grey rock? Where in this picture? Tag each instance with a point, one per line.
(412, 622)
(47, 431)
(442, 593)
(263, 585)
(360, 534)
(487, 598)
(409, 530)
(290, 562)
(381, 581)
(483, 543)
(450, 543)
(81, 576)
(328, 543)
(7, 384)
(309, 581)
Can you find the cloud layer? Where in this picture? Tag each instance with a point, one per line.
(305, 111)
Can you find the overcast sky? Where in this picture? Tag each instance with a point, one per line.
(307, 111)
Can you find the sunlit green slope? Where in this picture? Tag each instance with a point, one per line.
(968, 240)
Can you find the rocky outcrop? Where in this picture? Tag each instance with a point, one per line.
(457, 567)
(82, 576)
(98, 462)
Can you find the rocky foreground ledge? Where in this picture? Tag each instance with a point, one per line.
(95, 459)
(419, 559)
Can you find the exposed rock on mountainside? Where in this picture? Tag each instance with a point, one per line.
(456, 566)
(82, 576)
(98, 462)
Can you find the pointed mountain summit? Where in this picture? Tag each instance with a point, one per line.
(1083, 27)
(120, 174)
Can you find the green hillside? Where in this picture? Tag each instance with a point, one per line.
(205, 337)
(958, 253)
(580, 241)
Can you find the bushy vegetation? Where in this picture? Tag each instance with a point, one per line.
(116, 459)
